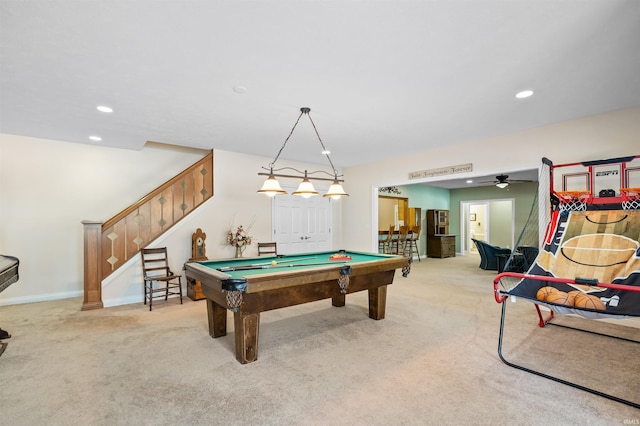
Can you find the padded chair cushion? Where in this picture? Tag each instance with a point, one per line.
(489, 254)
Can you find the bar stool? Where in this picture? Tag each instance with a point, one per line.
(393, 240)
(403, 239)
(414, 236)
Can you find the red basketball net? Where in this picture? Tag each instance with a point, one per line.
(574, 200)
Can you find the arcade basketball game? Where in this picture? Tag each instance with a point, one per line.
(588, 256)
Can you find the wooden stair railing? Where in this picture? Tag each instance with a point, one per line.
(108, 245)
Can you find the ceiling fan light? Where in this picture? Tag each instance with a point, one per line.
(336, 191)
(271, 187)
(306, 189)
(502, 185)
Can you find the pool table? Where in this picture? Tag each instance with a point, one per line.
(8, 271)
(249, 286)
(8, 275)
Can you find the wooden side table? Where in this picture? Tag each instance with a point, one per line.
(441, 246)
(194, 290)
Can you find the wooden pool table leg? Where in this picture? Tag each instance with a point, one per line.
(339, 300)
(377, 302)
(246, 328)
(217, 316)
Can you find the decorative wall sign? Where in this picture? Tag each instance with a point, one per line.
(443, 171)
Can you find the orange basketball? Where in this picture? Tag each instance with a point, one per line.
(561, 298)
(588, 301)
(574, 295)
(544, 292)
(577, 301)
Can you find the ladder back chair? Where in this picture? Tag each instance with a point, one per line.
(268, 248)
(155, 267)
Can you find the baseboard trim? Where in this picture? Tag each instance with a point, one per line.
(40, 298)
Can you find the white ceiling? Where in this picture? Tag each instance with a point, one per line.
(381, 77)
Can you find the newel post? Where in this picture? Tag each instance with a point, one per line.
(92, 265)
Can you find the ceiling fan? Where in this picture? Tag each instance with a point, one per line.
(502, 181)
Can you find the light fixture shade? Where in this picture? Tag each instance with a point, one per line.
(502, 184)
(306, 189)
(336, 191)
(271, 187)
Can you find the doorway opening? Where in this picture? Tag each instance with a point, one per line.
(492, 221)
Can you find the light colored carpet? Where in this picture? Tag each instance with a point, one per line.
(433, 360)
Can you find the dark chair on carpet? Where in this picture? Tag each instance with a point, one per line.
(530, 253)
(520, 260)
(489, 254)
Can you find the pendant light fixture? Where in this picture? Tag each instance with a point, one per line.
(271, 186)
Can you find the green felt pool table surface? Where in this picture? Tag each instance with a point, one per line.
(260, 266)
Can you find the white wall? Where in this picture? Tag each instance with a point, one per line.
(47, 188)
(590, 138)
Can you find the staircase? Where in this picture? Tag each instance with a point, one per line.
(109, 245)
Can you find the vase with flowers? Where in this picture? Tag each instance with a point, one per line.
(239, 239)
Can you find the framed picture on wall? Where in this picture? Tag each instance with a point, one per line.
(472, 217)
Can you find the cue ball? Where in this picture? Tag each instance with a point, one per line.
(273, 262)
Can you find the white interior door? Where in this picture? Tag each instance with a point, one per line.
(301, 225)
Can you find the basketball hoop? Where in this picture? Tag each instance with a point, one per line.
(630, 198)
(574, 200)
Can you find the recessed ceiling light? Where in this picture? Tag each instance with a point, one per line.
(240, 89)
(524, 94)
(470, 181)
(95, 138)
(103, 108)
